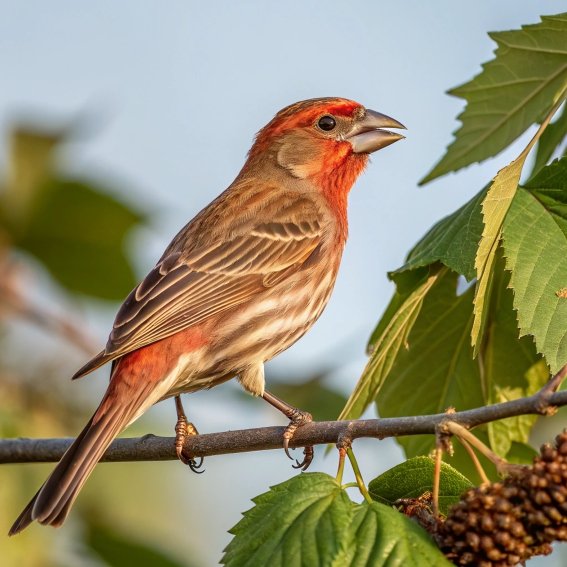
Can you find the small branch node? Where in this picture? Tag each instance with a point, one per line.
(344, 440)
(443, 437)
(543, 397)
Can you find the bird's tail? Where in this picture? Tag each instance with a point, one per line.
(54, 499)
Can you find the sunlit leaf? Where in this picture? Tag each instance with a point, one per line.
(510, 366)
(535, 246)
(506, 434)
(406, 283)
(511, 93)
(437, 371)
(494, 209)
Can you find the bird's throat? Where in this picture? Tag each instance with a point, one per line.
(335, 181)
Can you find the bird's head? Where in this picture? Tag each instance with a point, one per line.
(326, 141)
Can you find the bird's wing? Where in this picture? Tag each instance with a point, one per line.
(184, 288)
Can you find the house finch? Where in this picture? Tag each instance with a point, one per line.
(244, 280)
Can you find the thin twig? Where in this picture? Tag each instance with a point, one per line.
(464, 434)
(479, 469)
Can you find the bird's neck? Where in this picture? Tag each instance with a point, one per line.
(335, 180)
(333, 174)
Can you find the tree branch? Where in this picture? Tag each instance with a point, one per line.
(154, 448)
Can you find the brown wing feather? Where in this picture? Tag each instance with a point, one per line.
(185, 288)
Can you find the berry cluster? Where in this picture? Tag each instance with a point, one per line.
(508, 522)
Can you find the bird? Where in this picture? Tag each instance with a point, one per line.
(239, 284)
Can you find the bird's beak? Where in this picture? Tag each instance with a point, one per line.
(366, 135)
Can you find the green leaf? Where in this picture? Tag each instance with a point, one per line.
(382, 537)
(437, 371)
(550, 140)
(521, 454)
(494, 209)
(406, 283)
(413, 478)
(386, 348)
(504, 434)
(535, 246)
(511, 368)
(511, 93)
(301, 522)
(453, 241)
(119, 550)
(78, 232)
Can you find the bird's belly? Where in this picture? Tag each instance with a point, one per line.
(253, 333)
(263, 329)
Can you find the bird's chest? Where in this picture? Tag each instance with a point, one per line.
(263, 328)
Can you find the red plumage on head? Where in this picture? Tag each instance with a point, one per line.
(336, 167)
(300, 115)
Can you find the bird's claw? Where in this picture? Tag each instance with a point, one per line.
(307, 459)
(195, 466)
(298, 418)
(183, 429)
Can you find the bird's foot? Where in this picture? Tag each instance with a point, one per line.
(298, 418)
(184, 429)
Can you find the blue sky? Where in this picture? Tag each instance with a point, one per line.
(175, 91)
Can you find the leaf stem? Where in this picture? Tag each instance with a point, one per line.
(358, 476)
(342, 454)
(437, 480)
(560, 100)
(463, 433)
(476, 462)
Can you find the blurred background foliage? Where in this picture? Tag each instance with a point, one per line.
(70, 234)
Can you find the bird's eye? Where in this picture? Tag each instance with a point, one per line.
(326, 123)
